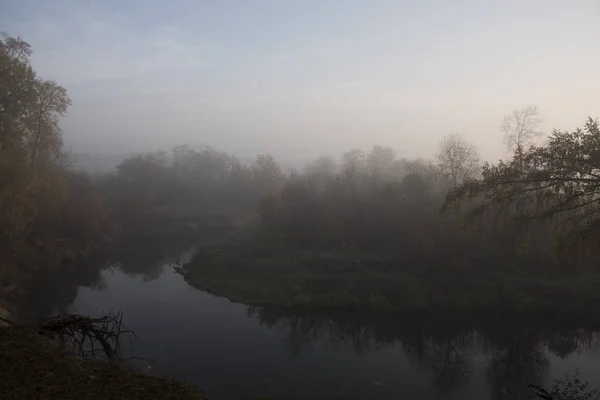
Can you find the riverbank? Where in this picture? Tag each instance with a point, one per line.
(33, 368)
(267, 274)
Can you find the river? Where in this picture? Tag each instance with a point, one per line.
(237, 352)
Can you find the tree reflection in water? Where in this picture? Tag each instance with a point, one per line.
(54, 289)
(148, 262)
(451, 349)
(517, 358)
(515, 355)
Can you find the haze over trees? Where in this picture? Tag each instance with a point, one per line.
(365, 201)
(346, 195)
(457, 159)
(556, 184)
(50, 215)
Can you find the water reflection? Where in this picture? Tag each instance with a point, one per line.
(54, 289)
(148, 262)
(447, 348)
(211, 341)
(518, 358)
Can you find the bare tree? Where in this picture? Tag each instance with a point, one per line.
(457, 159)
(521, 128)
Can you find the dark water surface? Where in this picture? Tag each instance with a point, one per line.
(237, 352)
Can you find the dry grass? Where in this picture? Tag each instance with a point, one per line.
(31, 367)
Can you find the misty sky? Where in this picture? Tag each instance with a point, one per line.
(309, 77)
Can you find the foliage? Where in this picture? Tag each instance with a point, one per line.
(393, 206)
(43, 206)
(177, 190)
(17, 81)
(572, 388)
(557, 183)
(370, 199)
(569, 388)
(365, 202)
(86, 217)
(364, 233)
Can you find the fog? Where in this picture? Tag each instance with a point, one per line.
(302, 79)
(299, 199)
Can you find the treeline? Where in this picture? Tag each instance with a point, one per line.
(365, 200)
(372, 201)
(50, 212)
(537, 211)
(196, 187)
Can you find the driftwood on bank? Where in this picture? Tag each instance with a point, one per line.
(89, 337)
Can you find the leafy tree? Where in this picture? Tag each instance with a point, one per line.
(321, 171)
(17, 83)
(266, 174)
(428, 172)
(30, 200)
(42, 134)
(569, 388)
(415, 187)
(86, 216)
(353, 164)
(380, 162)
(557, 183)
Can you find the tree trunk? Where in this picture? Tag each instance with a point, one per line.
(36, 141)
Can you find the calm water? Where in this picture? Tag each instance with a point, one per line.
(236, 352)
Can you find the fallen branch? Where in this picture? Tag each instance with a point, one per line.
(541, 392)
(87, 336)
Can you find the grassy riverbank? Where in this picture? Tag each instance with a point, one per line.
(248, 271)
(33, 368)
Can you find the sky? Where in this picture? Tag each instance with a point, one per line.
(303, 78)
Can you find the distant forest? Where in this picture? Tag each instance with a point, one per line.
(526, 212)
